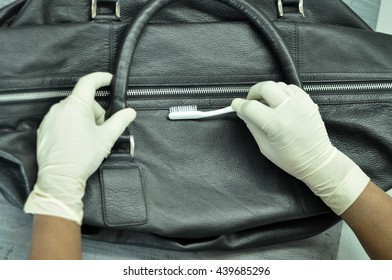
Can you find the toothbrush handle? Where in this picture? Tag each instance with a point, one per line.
(218, 112)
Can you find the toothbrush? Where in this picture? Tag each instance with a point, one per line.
(190, 112)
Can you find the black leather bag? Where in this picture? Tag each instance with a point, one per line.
(199, 184)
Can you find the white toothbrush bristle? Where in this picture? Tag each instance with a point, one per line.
(187, 108)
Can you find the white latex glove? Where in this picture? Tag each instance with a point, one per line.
(289, 130)
(72, 141)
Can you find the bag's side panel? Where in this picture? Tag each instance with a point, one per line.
(333, 54)
(18, 161)
(51, 56)
(194, 54)
(253, 238)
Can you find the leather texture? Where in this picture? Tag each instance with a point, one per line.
(133, 33)
(193, 185)
(45, 12)
(122, 188)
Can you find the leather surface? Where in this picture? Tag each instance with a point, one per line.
(244, 57)
(134, 32)
(333, 12)
(8, 13)
(205, 183)
(122, 189)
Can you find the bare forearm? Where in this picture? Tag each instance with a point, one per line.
(55, 238)
(370, 217)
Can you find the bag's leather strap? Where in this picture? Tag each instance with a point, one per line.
(122, 192)
(135, 30)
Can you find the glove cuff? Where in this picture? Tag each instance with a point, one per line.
(41, 203)
(338, 183)
(348, 191)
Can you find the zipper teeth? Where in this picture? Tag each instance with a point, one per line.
(347, 87)
(187, 91)
(30, 96)
(147, 92)
(33, 96)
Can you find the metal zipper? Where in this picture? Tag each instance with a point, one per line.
(136, 92)
(189, 91)
(41, 95)
(183, 91)
(329, 87)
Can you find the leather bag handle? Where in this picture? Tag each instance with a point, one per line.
(135, 30)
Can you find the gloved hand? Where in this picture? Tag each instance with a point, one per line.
(72, 141)
(289, 130)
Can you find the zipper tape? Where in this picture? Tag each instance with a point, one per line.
(19, 96)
